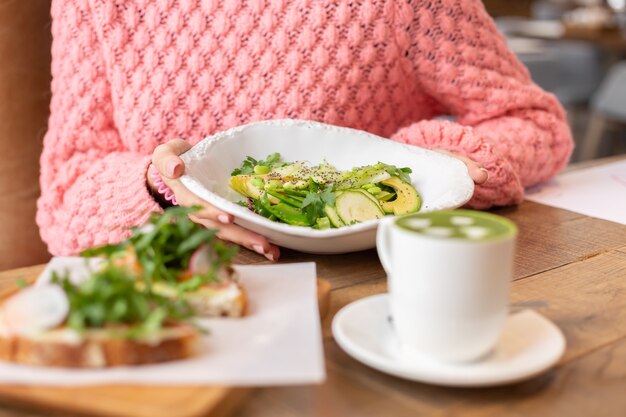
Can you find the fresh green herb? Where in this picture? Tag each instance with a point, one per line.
(394, 171)
(249, 164)
(313, 186)
(314, 202)
(258, 208)
(111, 299)
(247, 167)
(164, 246)
(328, 196)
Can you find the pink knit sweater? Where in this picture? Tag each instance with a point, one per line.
(128, 75)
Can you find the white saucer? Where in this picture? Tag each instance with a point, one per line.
(529, 345)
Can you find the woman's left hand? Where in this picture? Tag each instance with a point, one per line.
(476, 171)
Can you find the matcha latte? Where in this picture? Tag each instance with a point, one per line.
(449, 274)
(459, 224)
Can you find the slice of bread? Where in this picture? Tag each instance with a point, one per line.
(98, 348)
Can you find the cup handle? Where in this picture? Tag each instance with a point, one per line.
(383, 244)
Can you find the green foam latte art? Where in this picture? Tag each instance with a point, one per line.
(459, 224)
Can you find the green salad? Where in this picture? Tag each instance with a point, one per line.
(321, 196)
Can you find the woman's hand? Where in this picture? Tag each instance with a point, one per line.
(476, 171)
(169, 165)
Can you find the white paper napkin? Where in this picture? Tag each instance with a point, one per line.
(279, 342)
(597, 192)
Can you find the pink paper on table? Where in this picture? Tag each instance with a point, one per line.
(597, 192)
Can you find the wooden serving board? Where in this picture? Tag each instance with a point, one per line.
(132, 400)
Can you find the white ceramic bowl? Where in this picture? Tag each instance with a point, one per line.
(442, 181)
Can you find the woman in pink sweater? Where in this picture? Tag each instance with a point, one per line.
(129, 76)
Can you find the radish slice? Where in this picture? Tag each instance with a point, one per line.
(201, 260)
(35, 309)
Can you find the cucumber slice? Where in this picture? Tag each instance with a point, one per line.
(332, 215)
(366, 194)
(354, 206)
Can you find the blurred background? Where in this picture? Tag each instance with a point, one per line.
(575, 49)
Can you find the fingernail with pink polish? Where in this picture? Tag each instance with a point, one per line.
(223, 218)
(170, 169)
(258, 249)
(270, 256)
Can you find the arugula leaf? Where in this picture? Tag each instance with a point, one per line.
(110, 296)
(163, 247)
(194, 240)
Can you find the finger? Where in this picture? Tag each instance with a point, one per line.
(478, 174)
(186, 198)
(476, 171)
(243, 237)
(165, 158)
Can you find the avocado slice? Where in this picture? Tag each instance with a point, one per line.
(244, 184)
(407, 200)
(353, 206)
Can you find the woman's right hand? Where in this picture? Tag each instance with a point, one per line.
(169, 165)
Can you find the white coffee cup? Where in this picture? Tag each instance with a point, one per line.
(449, 275)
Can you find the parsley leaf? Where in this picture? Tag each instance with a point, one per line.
(247, 166)
(313, 204)
(272, 159)
(328, 196)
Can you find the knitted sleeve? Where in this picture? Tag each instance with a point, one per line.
(503, 120)
(93, 187)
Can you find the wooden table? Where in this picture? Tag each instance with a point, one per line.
(611, 40)
(569, 267)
